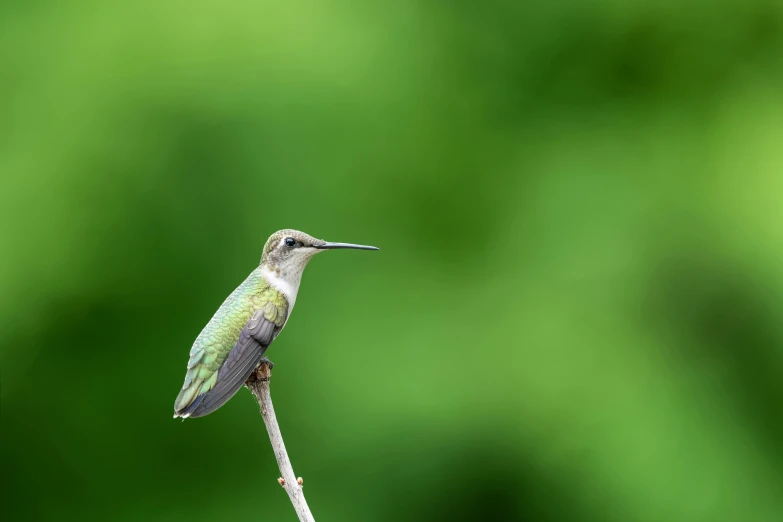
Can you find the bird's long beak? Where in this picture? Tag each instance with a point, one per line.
(331, 246)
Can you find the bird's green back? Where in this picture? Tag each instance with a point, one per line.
(219, 336)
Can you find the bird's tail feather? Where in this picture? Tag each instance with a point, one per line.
(225, 387)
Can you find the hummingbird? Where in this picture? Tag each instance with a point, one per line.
(233, 342)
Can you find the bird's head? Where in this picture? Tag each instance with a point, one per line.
(287, 252)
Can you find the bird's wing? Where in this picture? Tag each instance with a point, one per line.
(215, 373)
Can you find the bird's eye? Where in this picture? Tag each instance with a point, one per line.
(290, 242)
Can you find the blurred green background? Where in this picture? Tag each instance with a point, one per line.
(574, 315)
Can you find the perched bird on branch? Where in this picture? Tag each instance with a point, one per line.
(233, 343)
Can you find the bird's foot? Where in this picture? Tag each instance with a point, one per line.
(262, 372)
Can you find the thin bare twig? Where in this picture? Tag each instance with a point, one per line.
(258, 383)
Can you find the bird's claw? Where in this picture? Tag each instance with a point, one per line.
(260, 373)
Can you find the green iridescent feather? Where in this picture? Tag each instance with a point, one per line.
(219, 337)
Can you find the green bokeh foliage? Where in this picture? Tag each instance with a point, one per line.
(575, 314)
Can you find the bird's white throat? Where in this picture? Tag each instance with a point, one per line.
(285, 275)
(288, 286)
